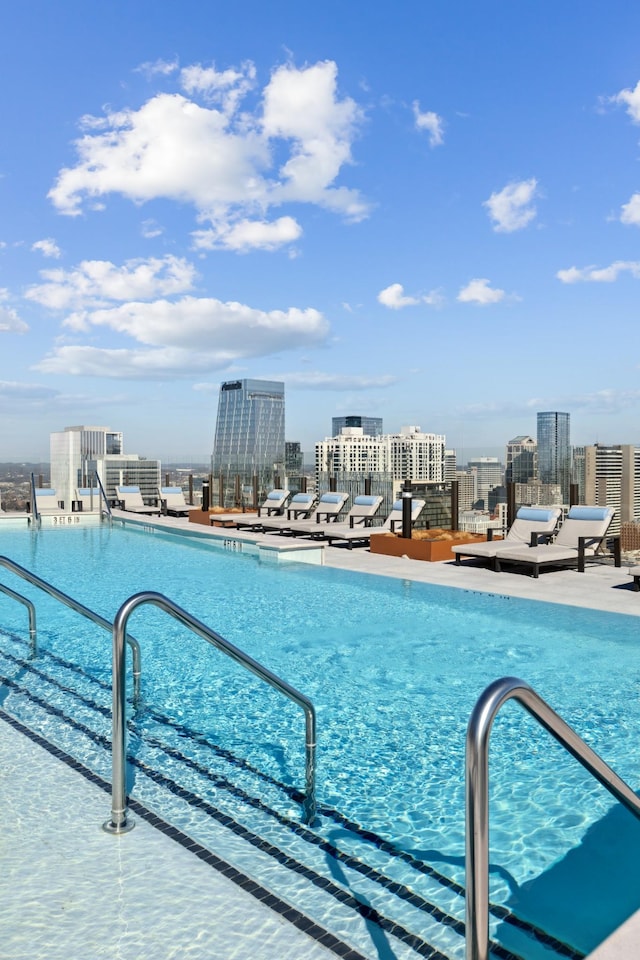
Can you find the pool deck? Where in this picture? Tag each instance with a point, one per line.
(71, 891)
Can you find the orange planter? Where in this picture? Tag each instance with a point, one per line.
(433, 550)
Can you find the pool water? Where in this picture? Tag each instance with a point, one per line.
(394, 668)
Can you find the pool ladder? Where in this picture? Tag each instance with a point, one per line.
(118, 823)
(477, 792)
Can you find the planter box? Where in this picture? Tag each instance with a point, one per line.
(204, 516)
(431, 550)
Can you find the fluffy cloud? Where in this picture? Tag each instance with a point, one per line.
(631, 211)
(631, 100)
(430, 122)
(220, 159)
(48, 247)
(249, 235)
(10, 322)
(511, 208)
(394, 298)
(24, 392)
(94, 282)
(600, 274)
(479, 291)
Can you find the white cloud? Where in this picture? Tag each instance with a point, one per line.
(430, 122)
(24, 392)
(48, 247)
(248, 235)
(479, 291)
(315, 380)
(631, 100)
(631, 211)
(511, 208)
(150, 229)
(600, 274)
(394, 298)
(157, 68)
(221, 160)
(95, 281)
(10, 322)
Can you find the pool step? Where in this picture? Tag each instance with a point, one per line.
(341, 876)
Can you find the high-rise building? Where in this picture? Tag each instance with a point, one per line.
(521, 465)
(489, 474)
(293, 458)
(554, 450)
(371, 426)
(612, 479)
(72, 452)
(249, 437)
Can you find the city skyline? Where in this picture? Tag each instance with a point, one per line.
(432, 219)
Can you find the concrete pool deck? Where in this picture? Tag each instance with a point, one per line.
(69, 890)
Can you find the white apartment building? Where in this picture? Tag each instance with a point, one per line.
(407, 455)
(489, 474)
(78, 453)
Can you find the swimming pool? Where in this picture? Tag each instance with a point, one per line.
(394, 668)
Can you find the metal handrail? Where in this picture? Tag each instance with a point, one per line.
(118, 822)
(477, 792)
(81, 609)
(32, 616)
(34, 502)
(104, 497)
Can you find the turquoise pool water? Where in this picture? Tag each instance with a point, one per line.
(394, 669)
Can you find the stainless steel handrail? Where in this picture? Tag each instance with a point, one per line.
(81, 609)
(32, 615)
(34, 502)
(477, 792)
(104, 497)
(118, 822)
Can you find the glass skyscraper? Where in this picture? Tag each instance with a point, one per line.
(249, 438)
(554, 451)
(371, 426)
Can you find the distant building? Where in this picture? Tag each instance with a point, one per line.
(450, 466)
(73, 452)
(489, 474)
(554, 451)
(127, 470)
(249, 436)
(612, 479)
(293, 458)
(371, 426)
(521, 464)
(538, 494)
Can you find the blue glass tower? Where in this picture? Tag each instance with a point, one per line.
(554, 451)
(249, 438)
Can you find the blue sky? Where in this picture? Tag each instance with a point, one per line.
(425, 211)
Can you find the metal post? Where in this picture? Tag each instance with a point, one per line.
(406, 510)
(333, 484)
(221, 490)
(511, 504)
(573, 494)
(191, 489)
(367, 486)
(303, 484)
(237, 494)
(205, 496)
(255, 491)
(454, 504)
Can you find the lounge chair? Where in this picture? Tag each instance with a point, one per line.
(90, 498)
(273, 506)
(299, 508)
(47, 501)
(582, 535)
(361, 515)
(635, 573)
(131, 500)
(326, 512)
(173, 502)
(529, 522)
(361, 537)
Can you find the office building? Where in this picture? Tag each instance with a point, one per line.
(612, 479)
(521, 464)
(249, 437)
(293, 458)
(489, 474)
(127, 470)
(371, 426)
(554, 451)
(450, 465)
(72, 454)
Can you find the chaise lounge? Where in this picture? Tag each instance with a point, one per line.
(581, 537)
(362, 537)
(361, 516)
(130, 499)
(326, 512)
(173, 502)
(273, 506)
(530, 522)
